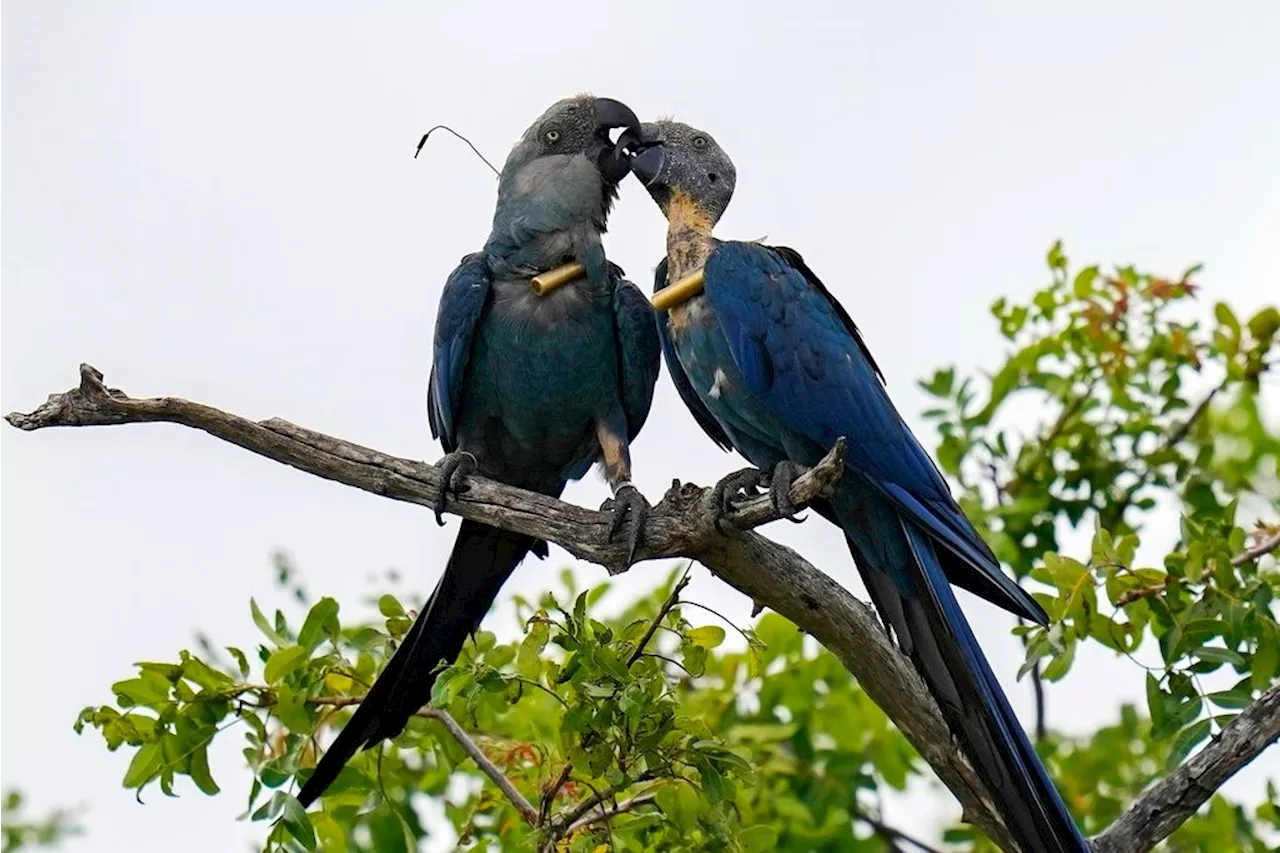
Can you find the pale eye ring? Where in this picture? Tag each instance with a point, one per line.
(699, 142)
(552, 136)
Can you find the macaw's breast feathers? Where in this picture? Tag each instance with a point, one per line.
(681, 379)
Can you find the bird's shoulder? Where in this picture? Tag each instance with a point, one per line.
(789, 295)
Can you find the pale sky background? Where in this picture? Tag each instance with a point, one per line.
(219, 202)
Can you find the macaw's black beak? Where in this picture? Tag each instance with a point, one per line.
(615, 159)
(647, 162)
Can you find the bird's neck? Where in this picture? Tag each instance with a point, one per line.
(689, 239)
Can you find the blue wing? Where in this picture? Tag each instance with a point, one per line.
(799, 351)
(681, 379)
(461, 306)
(638, 352)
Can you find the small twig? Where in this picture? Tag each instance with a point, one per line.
(668, 660)
(1037, 690)
(672, 600)
(597, 797)
(605, 814)
(892, 834)
(1171, 441)
(553, 791)
(1269, 543)
(1164, 807)
(1266, 545)
(469, 746)
(723, 618)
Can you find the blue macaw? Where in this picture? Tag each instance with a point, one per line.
(526, 388)
(769, 363)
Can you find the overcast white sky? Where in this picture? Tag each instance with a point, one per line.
(219, 202)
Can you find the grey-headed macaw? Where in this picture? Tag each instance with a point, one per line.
(527, 388)
(769, 363)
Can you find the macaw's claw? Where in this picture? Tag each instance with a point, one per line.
(630, 510)
(781, 480)
(732, 488)
(454, 468)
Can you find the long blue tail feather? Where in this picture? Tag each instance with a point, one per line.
(917, 602)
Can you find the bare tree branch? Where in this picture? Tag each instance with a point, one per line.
(1266, 541)
(894, 837)
(468, 744)
(1166, 805)
(471, 748)
(604, 814)
(682, 526)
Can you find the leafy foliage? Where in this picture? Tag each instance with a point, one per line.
(20, 833)
(1149, 410)
(654, 724)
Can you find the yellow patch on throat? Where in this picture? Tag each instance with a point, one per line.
(688, 235)
(688, 247)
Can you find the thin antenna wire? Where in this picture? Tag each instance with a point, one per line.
(423, 142)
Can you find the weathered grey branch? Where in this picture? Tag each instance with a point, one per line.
(606, 813)
(681, 525)
(528, 812)
(459, 734)
(1164, 807)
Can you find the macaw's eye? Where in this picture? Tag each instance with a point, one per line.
(699, 142)
(552, 136)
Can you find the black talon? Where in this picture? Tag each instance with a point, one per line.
(781, 480)
(738, 485)
(454, 468)
(630, 510)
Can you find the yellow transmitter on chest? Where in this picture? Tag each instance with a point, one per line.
(544, 283)
(680, 292)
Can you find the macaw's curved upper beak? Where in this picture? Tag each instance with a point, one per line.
(646, 164)
(615, 159)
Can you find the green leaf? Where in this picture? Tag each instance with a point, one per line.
(758, 838)
(1055, 258)
(1266, 658)
(390, 607)
(283, 662)
(148, 689)
(145, 765)
(1222, 311)
(1220, 655)
(708, 636)
(679, 803)
(322, 619)
(1186, 741)
(529, 658)
(1235, 698)
(241, 661)
(332, 837)
(940, 385)
(1264, 325)
(713, 783)
(1155, 701)
(265, 627)
(199, 770)
(1082, 287)
(291, 709)
(297, 823)
(1061, 662)
(1068, 574)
